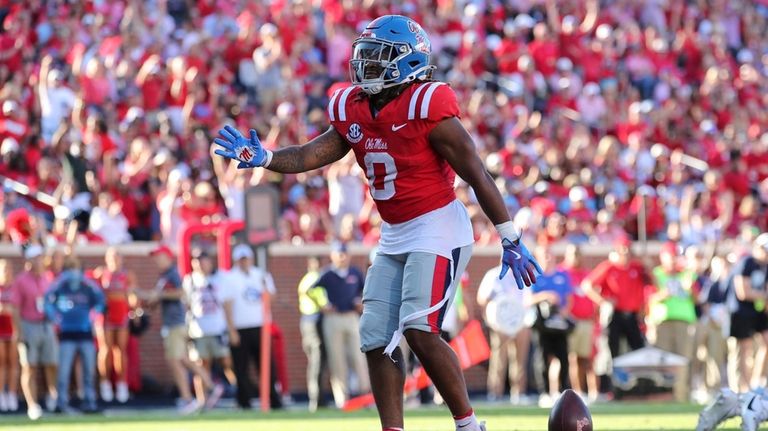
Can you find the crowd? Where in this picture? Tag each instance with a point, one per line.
(703, 303)
(591, 114)
(601, 120)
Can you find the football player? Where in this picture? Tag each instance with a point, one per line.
(405, 132)
(752, 406)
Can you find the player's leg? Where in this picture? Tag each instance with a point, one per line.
(754, 409)
(427, 279)
(726, 404)
(357, 359)
(381, 313)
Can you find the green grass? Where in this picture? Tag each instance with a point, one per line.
(607, 417)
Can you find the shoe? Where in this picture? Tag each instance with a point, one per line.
(50, 403)
(105, 389)
(13, 402)
(3, 402)
(188, 407)
(34, 412)
(121, 393)
(754, 409)
(725, 405)
(214, 396)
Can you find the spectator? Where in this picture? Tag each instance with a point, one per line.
(207, 326)
(343, 284)
(749, 319)
(168, 291)
(39, 346)
(505, 309)
(713, 327)
(581, 342)
(552, 297)
(118, 285)
(69, 302)
(108, 222)
(56, 98)
(672, 313)
(345, 191)
(313, 300)
(618, 284)
(241, 296)
(9, 336)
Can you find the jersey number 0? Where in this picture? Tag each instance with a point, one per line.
(382, 188)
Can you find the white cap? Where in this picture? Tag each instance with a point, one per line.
(242, 251)
(33, 251)
(578, 193)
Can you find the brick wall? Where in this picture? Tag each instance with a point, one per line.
(287, 265)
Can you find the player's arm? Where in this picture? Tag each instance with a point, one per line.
(744, 291)
(320, 151)
(453, 143)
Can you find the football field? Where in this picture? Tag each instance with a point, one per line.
(609, 416)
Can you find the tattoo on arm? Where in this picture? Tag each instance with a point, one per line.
(323, 150)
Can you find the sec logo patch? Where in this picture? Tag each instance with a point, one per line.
(355, 133)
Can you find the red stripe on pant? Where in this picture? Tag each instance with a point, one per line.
(439, 286)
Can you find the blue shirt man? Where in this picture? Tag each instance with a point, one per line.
(70, 302)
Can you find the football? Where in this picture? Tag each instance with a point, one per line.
(570, 414)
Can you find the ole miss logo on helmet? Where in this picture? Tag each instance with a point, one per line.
(245, 154)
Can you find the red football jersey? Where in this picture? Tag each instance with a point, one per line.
(407, 177)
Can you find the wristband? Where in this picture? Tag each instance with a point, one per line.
(267, 158)
(509, 231)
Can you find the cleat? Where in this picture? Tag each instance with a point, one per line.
(725, 405)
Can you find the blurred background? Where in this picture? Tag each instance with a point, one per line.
(602, 121)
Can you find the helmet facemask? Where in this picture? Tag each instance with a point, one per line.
(374, 63)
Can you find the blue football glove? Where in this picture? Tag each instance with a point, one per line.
(248, 152)
(517, 258)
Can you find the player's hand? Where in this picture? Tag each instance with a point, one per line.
(234, 338)
(517, 258)
(235, 146)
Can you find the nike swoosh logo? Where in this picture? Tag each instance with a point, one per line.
(749, 406)
(516, 254)
(396, 128)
